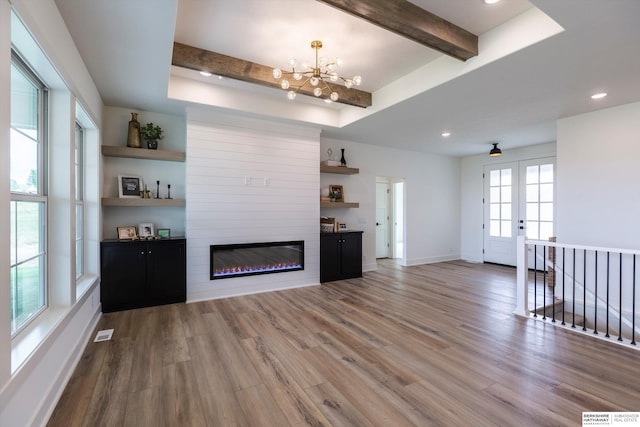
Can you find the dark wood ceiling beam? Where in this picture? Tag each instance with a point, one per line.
(227, 66)
(410, 21)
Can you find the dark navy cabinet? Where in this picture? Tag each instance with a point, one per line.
(340, 255)
(142, 273)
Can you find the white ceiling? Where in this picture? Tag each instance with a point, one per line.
(514, 97)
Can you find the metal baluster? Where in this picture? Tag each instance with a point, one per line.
(620, 304)
(544, 282)
(535, 281)
(595, 313)
(584, 290)
(573, 292)
(608, 274)
(564, 265)
(553, 288)
(633, 310)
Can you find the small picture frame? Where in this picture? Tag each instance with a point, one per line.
(164, 233)
(336, 193)
(146, 230)
(127, 233)
(129, 186)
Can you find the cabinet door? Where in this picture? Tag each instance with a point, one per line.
(329, 257)
(123, 273)
(351, 255)
(166, 272)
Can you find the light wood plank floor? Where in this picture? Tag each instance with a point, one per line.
(419, 346)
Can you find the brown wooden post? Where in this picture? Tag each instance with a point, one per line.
(551, 273)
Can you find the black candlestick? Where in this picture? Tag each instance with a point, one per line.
(168, 191)
(157, 189)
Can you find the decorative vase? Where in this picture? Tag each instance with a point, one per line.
(133, 137)
(343, 162)
(152, 144)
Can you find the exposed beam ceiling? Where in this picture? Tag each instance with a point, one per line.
(227, 66)
(410, 21)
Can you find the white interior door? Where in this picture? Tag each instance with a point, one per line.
(500, 213)
(382, 219)
(397, 194)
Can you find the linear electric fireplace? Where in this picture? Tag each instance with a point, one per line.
(248, 259)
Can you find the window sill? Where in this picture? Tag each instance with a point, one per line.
(84, 284)
(28, 341)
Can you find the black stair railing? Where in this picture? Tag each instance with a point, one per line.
(579, 286)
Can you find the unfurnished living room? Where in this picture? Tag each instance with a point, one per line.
(319, 212)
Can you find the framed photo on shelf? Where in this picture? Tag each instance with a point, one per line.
(146, 230)
(164, 233)
(129, 186)
(336, 193)
(127, 233)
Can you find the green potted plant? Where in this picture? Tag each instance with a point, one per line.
(151, 133)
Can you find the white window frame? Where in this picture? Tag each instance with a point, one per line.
(41, 193)
(80, 242)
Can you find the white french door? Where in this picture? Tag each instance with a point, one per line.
(519, 198)
(500, 213)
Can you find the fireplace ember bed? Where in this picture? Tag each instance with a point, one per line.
(250, 259)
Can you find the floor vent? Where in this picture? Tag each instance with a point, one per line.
(104, 335)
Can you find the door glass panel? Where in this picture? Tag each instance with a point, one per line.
(546, 192)
(546, 212)
(506, 211)
(546, 173)
(494, 195)
(500, 203)
(539, 201)
(494, 178)
(506, 194)
(494, 211)
(505, 175)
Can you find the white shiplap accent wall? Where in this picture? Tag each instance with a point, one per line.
(249, 181)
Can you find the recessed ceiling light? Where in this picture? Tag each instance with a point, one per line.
(446, 134)
(598, 95)
(491, 1)
(206, 73)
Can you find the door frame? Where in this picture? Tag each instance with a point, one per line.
(518, 201)
(392, 230)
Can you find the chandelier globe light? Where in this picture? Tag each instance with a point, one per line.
(315, 76)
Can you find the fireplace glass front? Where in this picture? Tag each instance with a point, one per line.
(248, 259)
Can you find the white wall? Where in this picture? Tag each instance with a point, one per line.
(598, 178)
(29, 393)
(472, 190)
(432, 198)
(116, 122)
(249, 181)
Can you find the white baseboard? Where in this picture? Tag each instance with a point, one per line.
(432, 260)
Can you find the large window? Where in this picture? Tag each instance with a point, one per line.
(28, 195)
(79, 179)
